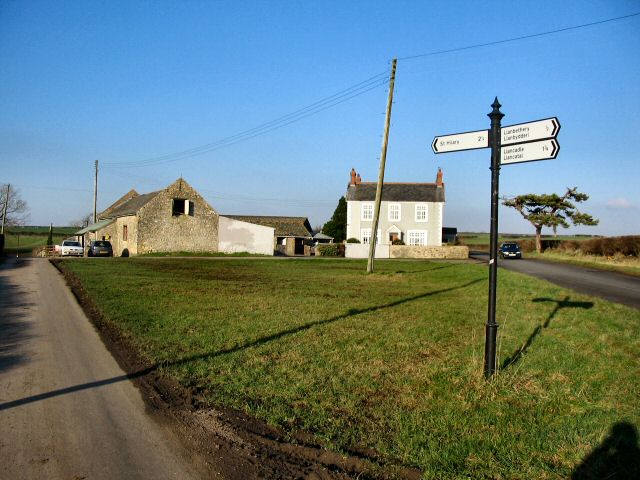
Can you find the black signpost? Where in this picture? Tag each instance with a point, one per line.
(527, 142)
(492, 327)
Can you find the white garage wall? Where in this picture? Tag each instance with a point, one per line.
(235, 236)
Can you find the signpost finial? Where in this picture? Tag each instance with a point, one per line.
(496, 113)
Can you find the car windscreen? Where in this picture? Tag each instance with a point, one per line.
(101, 244)
(71, 244)
(510, 247)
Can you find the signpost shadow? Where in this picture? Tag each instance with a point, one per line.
(560, 304)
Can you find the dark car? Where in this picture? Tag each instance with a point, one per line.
(100, 248)
(509, 250)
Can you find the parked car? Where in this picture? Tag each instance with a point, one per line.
(509, 250)
(70, 248)
(100, 248)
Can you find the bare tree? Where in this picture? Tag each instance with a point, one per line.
(14, 210)
(83, 221)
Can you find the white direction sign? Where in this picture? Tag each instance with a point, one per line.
(529, 152)
(530, 131)
(461, 141)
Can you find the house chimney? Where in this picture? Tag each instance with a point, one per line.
(358, 179)
(353, 177)
(439, 178)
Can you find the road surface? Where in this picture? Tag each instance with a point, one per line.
(611, 286)
(67, 411)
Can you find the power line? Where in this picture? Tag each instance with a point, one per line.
(338, 98)
(231, 197)
(515, 39)
(328, 102)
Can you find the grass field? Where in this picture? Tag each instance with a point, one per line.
(25, 239)
(201, 254)
(390, 361)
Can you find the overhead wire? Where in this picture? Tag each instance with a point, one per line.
(338, 98)
(323, 104)
(515, 39)
(238, 198)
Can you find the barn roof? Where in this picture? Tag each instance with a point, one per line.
(284, 226)
(129, 207)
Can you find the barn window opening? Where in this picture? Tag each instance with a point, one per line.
(125, 233)
(182, 206)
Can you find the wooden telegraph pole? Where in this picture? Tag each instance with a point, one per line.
(383, 159)
(95, 195)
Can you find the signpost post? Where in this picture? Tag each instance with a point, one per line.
(524, 142)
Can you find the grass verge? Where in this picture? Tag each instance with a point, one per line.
(389, 362)
(620, 264)
(24, 239)
(201, 254)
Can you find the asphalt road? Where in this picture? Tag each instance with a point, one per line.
(67, 410)
(611, 286)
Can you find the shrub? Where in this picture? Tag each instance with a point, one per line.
(528, 245)
(329, 250)
(353, 240)
(610, 246)
(549, 243)
(592, 247)
(569, 246)
(397, 241)
(629, 245)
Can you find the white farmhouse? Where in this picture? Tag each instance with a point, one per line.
(411, 212)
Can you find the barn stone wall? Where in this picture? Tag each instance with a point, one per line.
(159, 230)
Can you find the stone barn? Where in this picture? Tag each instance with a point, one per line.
(171, 220)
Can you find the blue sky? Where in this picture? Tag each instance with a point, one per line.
(123, 82)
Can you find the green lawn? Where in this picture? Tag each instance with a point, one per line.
(390, 361)
(25, 239)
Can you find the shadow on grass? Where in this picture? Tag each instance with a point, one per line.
(256, 343)
(439, 267)
(616, 458)
(560, 304)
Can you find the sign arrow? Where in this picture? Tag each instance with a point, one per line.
(530, 131)
(460, 141)
(529, 152)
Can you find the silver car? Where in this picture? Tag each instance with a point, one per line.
(71, 248)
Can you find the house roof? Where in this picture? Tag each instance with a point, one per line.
(284, 226)
(396, 192)
(130, 207)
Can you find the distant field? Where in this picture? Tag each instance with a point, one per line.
(471, 238)
(390, 362)
(25, 239)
